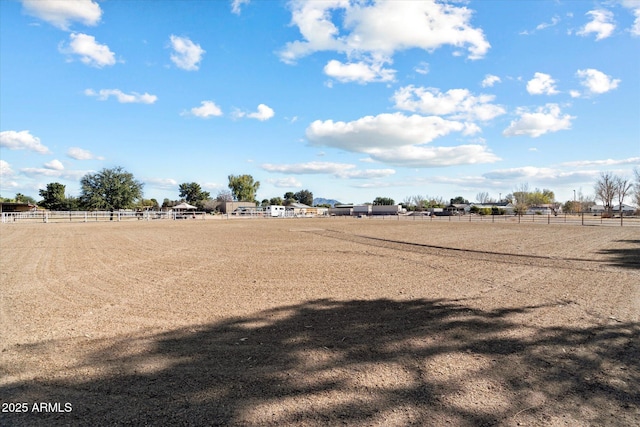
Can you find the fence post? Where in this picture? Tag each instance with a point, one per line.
(85, 216)
(548, 219)
(582, 218)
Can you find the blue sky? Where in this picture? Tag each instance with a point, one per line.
(348, 99)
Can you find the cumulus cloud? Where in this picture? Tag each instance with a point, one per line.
(601, 24)
(360, 72)
(339, 170)
(54, 169)
(456, 103)
(541, 84)
(426, 157)
(123, 98)
(371, 32)
(634, 6)
(55, 165)
(5, 169)
(90, 52)
(80, 154)
(534, 124)
(399, 140)
(381, 131)
(22, 140)
(186, 54)
(596, 81)
(207, 109)
(490, 80)
(263, 113)
(62, 13)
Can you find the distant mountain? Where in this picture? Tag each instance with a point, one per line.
(321, 201)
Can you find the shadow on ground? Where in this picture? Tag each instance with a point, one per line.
(380, 362)
(627, 257)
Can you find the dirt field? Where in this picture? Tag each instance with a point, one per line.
(319, 322)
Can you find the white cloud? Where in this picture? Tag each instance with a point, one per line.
(162, 183)
(607, 162)
(62, 13)
(186, 54)
(381, 131)
(236, 5)
(541, 84)
(263, 113)
(544, 119)
(456, 103)
(398, 139)
(80, 154)
(123, 98)
(54, 169)
(207, 109)
(544, 25)
(575, 93)
(376, 30)
(5, 169)
(308, 168)
(490, 80)
(339, 170)
(91, 52)
(22, 140)
(360, 72)
(426, 157)
(596, 81)
(601, 24)
(634, 6)
(422, 68)
(55, 165)
(541, 175)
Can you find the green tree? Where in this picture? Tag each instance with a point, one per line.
(384, 201)
(305, 197)
(110, 189)
(276, 201)
(459, 201)
(243, 187)
(53, 197)
(192, 193)
(21, 198)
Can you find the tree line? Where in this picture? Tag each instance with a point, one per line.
(115, 189)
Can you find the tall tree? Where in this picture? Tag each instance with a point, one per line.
(53, 197)
(192, 193)
(482, 197)
(459, 201)
(110, 189)
(243, 187)
(623, 186)
(224, 196)
(305, 197)
(605, 189)
(384, 201)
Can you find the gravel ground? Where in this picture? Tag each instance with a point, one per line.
(319, 322)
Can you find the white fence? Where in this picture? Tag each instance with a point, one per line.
(96, 216)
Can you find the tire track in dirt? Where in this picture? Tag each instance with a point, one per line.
(553, 262)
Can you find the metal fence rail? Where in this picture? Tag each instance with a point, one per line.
(96, 216)
(586, 218)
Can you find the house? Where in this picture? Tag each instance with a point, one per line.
(458, 208)
(297, 209)
(17, 207)
(626, 209)
(506, 207)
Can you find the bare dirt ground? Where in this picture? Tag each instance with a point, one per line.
(319, 322)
